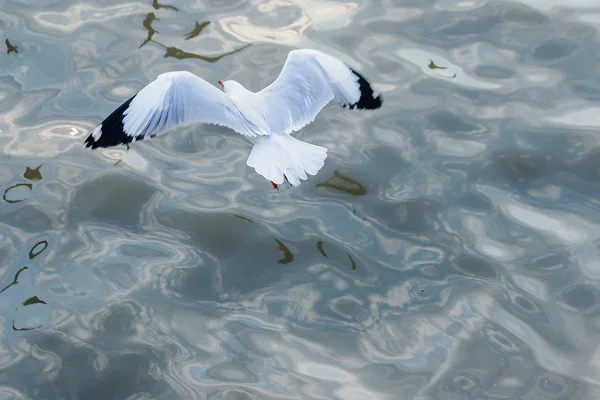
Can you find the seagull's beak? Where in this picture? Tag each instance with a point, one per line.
(221, 83)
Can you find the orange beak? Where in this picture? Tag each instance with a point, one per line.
(221, 83)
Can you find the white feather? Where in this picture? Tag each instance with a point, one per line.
(308, 81)
(97, 132)
(277, 155)
(181, 98)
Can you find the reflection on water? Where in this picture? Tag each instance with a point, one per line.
(14, 187)
(157, 6)
(320, 247)
(33, 300)
(242, 217)
(181, 55)
(33, 174)
(147, 23)
(175, 52)
(10, 48)
(433, 66)
(451, 76)
(197, 30)
(288, 257)
(14, 328)
(456, 254)
(344, 184)
(37, 249)
(353, 264)
(15, 280)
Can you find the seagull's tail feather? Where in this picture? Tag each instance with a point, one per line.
(274, 156)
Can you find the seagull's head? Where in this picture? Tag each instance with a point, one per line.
(231, 86)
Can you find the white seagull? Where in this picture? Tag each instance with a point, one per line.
(308, 81)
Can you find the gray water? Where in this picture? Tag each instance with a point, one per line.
(449, 249)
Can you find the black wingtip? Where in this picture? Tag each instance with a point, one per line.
(367, 100)
(90, 142)
(111, 130)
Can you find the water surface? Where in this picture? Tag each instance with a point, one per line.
(449, 249)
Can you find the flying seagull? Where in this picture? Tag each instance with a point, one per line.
(308, 81)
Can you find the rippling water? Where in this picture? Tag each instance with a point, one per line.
(449, 249)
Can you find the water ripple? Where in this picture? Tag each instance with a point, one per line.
(447, 249)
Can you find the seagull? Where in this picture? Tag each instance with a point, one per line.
(308, 81)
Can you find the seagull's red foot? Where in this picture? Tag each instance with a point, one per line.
(286, 179)
(274, 185)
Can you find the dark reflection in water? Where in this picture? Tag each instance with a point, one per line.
(288, 257)
(10, 48)
(320, 247)
(33, 300)
(147, 23)
(353, 264)
(38, 249)
(181, 55)
(198, 28)
(344, 184)
(175, 52)
(158, 6)
(242, 217)
(15, 280)
(432, 65)
(33, 174)
(14, 328)
(6, 199)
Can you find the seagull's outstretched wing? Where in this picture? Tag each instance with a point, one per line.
(173, 99)
(308, 81)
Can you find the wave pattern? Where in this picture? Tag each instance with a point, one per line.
(448, 249)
